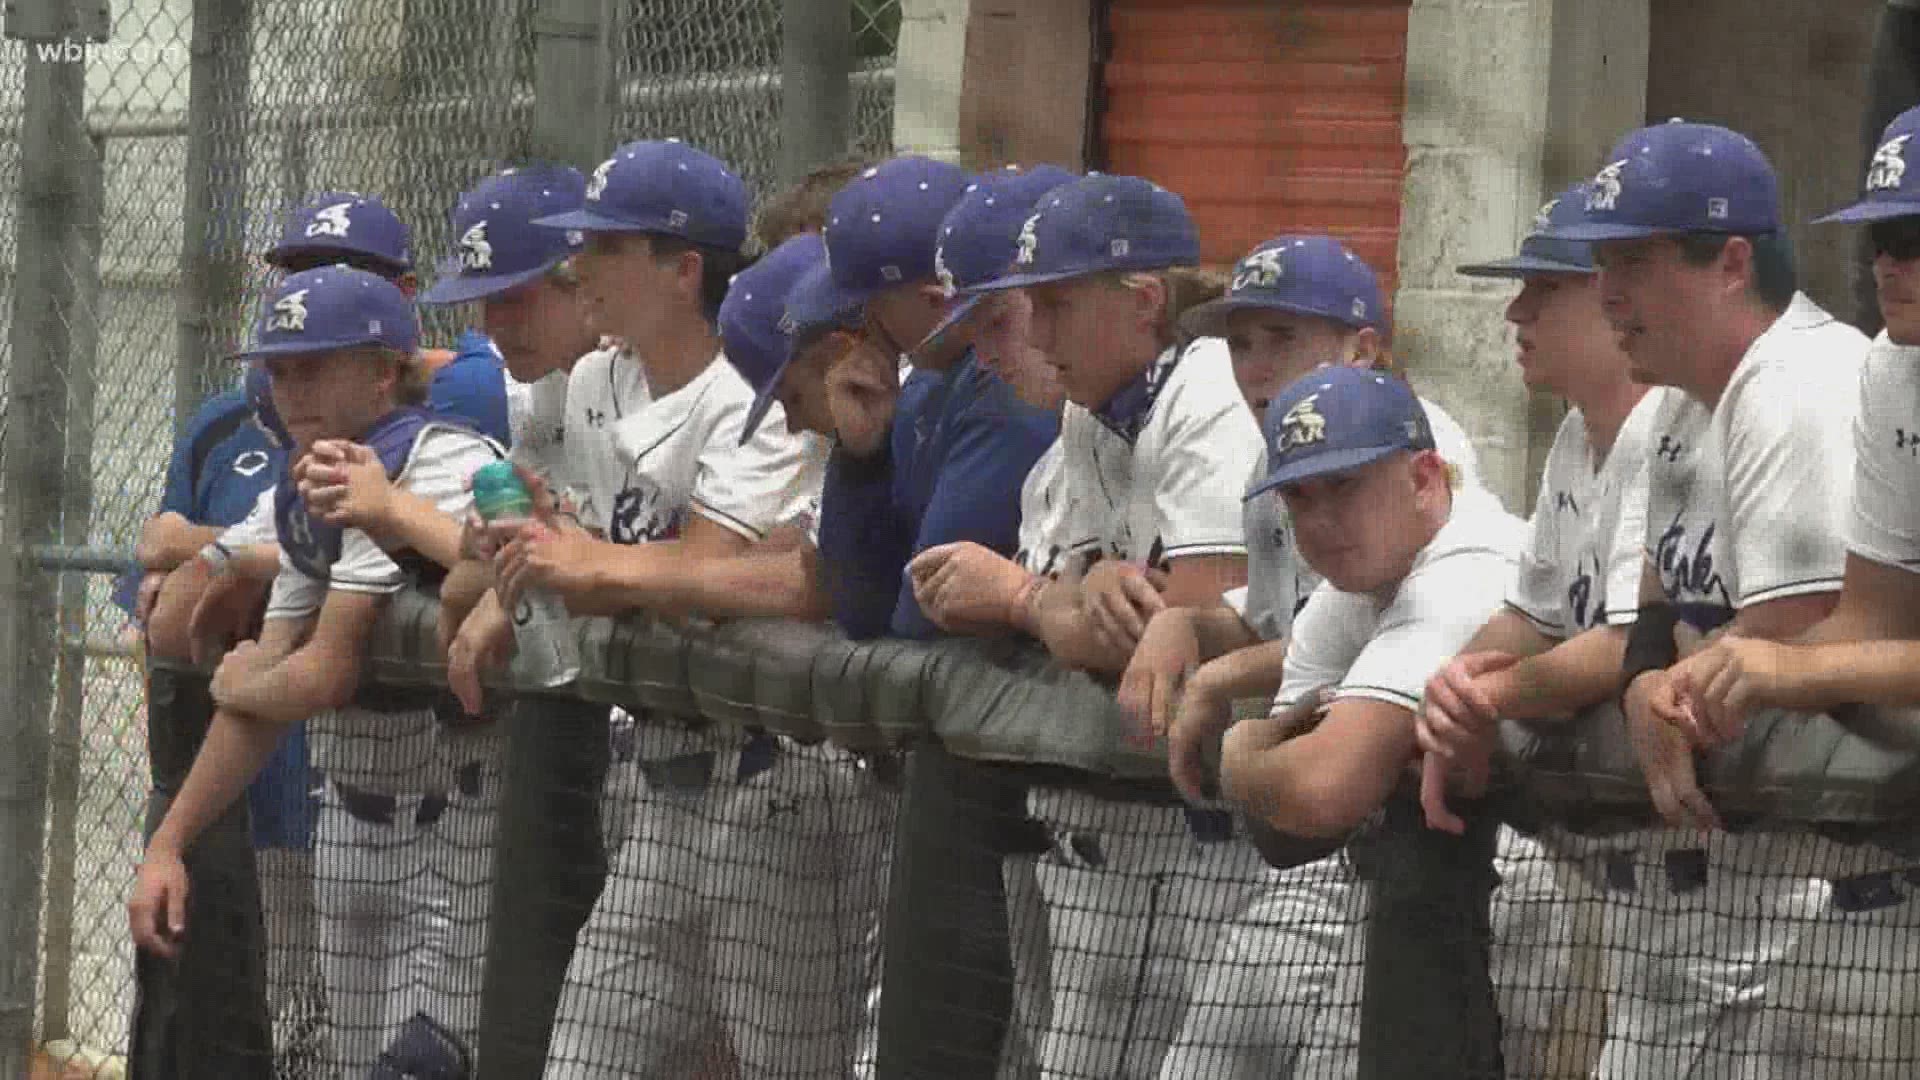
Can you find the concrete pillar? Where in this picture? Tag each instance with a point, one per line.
(932, 54)
(1549, 85)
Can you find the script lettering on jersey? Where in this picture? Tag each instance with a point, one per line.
(637, 519)
(1580, 599)
(1685, 571)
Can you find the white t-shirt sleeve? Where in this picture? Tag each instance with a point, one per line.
(294, 594)
(1538, 591)
(1327, 636)
(1885, 523)
(1623, 550)
(438, 470)
(1201, 481)
(1435, 614)
(751, 489)
(1454, 444)
(1789, 473)
(256, 528)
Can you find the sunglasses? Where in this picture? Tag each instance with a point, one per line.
(1896, 238)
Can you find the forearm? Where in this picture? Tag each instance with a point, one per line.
(465, 584)
(295, 688)
(1251, 672)
(256, 562)
(235, 750)
(1576, 674)
(168, 539)
(783, 584)
(1274, 777)
(1055, 617)
(1877, 673)
(1220, 631)
(413, 521)
(1510, 632)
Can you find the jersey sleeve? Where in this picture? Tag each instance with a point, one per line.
(1200, 485)
(294, 594)
(1325, 642)
(1435, 614)
(1788, 475)
(749, 489)
(1621, 545)
(1885, 521)
(363, 567)
(256, 528)
(1538, 593)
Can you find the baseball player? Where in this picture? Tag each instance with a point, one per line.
(402, 865)
(802, 208)
(1411, 568)
(653, 436)
(1850, 1005)
(1749, 466)
(1099, 259)
(1549, 652)
(1295, 304)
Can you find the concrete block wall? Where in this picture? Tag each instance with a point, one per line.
(927, 71)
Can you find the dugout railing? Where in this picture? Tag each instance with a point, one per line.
(970, 722)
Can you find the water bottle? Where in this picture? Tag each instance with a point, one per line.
(548, 654)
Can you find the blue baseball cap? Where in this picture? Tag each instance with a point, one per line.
(1100, 223)
(883, 227)
(330, 308)
(344, 223)
(664, 187)
(1678, 177)
(258, 387)
(1304, 275)
(981, 233)
(497, 247)
(1889, 192)
(1338, 419)
(1543, 254)
(754, 324)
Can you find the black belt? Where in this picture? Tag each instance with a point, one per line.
(693, 773)
(1686, 871)
(376, 808)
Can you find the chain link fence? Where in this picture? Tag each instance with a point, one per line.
(413, 101)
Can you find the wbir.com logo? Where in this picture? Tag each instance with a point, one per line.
(106, 53)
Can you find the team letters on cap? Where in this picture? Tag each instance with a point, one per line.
(331, 221)
(289, 312)
(1260, 270)
(1029, 242)
(598, 182)
(1889, 166)
(476, 253)
(1606, 187)
(1303, 425)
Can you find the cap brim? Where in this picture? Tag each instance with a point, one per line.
(1009, 282)
(464, 288)
(1520, 266)
(1590, 232)
(1210, 319)
(1868, 212)
(1338, 461)
(588, 221)
(763, 402)
(301, 348)
(833, 307)
(327, 247)
(958, 314)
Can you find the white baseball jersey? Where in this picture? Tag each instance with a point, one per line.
(1885, 523)
(1386, 652)
(537, 416)
(1163, 466)
(1747, 502)
(641, 464)
(393, 752)
(1057, 520)
(1278, 580)
(1582, 563)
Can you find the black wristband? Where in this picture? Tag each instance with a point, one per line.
(1650, 644)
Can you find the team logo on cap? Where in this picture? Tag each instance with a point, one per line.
(1544, 218)
(1260, 270)
(1889, 165)
(1606, 187)
(331, 221)
(1029, 242)
(289, 312)
(476, 253)
(1303, 425)
(597, 183)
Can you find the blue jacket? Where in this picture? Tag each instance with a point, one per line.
(961, 447)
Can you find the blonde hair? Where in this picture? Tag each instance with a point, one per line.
(412, 374)
(802, 208)
(1186, 287)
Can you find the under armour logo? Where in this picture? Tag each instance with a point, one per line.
(250, 463)
(595, 417)
(475, 252)
(597, 183)
(289, 312)
(1670, 448)
(1029, 242)
(1907, 440)
(1260, 270)
(1889, 167)
(1605, 193)
(331, 221)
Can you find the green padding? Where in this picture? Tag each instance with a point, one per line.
(999, 700)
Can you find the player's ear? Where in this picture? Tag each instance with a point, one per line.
(1364, 348)
(1737, 264)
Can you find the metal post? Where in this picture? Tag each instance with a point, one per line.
(63, 800)
(214, 217)
(53, 146)
(816, 99)
(573, 80)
